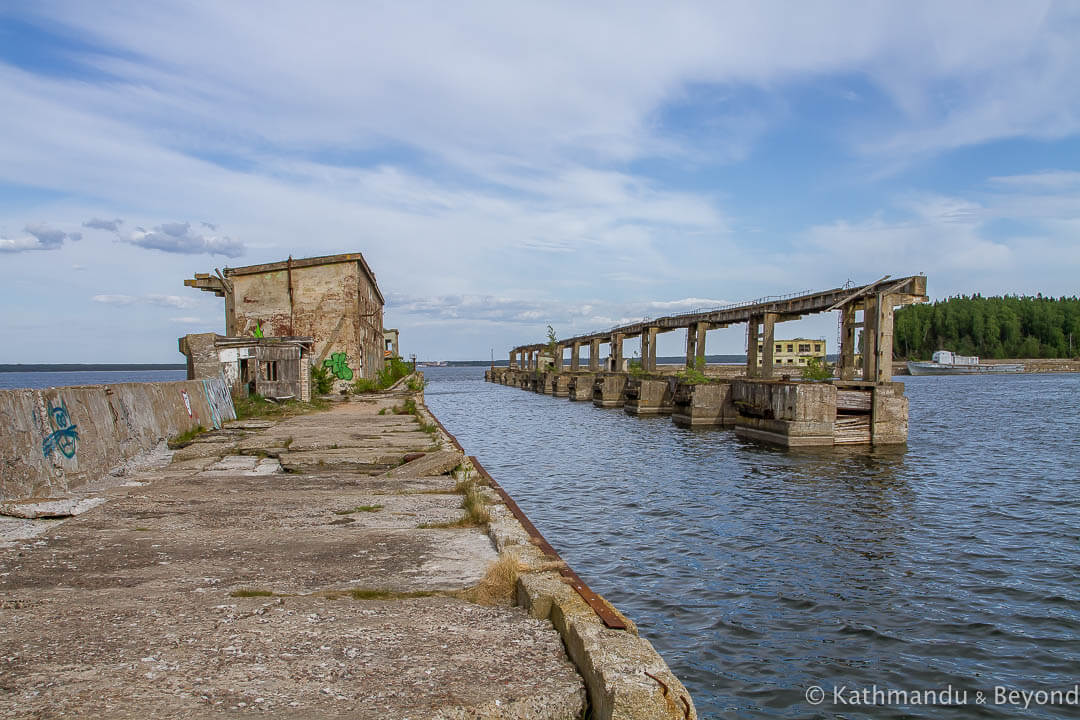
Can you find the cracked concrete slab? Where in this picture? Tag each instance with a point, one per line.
(219, 584)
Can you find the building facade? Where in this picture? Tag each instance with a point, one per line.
(334, 299)
(795, 352)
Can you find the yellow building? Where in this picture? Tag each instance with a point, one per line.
(794, 352)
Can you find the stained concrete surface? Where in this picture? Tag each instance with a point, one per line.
(129, 610)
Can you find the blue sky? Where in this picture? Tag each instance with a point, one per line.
(504, 166)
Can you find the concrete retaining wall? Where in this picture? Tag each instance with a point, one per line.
(57, 439)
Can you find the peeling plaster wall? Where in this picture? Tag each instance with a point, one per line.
(58, 439)
(335, 304)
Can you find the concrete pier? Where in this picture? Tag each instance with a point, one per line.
(649, 396)
(356, 585)
(581, 386)
(608, 389)
(560, 384)
(703, 405)
(869, 409)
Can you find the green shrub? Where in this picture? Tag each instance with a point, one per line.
(815, 369)
(322, 380)
(393, 370)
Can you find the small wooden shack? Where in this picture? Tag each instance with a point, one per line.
(274, 367)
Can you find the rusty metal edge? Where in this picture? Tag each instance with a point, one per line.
(609, 618)
(599, 606)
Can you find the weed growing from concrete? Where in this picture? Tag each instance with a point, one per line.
(256, 406)
(184, 439)
(359, 508)
(407, 408)
(366, 594)
(500, 581)
(429, 428)
(475, 506)
(251, 592)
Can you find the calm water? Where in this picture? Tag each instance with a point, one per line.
(84, 377)
(759, 573)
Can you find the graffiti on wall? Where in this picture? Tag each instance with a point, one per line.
(339, 366)
(219, 400)
(65, 437)
(187, 402)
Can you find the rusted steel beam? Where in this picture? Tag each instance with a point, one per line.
(601, 608)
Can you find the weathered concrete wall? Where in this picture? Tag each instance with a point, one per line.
(58, 439)
(785, 413)
(560, 385)
(703, 405)
(649, 396)
(608, 390)
(889, 417)
(581, 386)
(334, 303)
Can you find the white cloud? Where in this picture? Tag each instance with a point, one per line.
(178, 237)
(187, 320)
(41, 237)
(115, 299)
(173, 301)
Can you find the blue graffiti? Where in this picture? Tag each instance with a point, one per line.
(64, 438)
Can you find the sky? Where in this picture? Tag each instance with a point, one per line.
(506, 166)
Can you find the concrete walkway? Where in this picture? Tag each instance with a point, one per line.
(345, 587)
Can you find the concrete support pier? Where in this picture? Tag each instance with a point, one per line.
(560, 384)
(581, 386)
(703, 405)
(649, 396)
(608, 389)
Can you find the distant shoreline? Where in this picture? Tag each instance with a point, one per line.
(89, 367)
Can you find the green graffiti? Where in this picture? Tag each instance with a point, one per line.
(338, 365)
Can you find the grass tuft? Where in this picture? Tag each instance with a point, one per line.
(185, 438)
(256, 406)
(251, 592)
(359, 508)
(500, 581)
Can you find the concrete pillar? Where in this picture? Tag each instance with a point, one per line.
(616, 352)
(691, 345)
(594, 355)
(846, 356)
(702, 328)
(649, 359)
(884, 345)
(869, 339)
(767, 340)
(575, 356)
(752, 369)
(645, 337)
(559, 350)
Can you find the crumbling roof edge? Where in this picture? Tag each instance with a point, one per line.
(309, 262)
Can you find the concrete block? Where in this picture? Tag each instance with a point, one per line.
(649, 396)
(433, 463)
(581, 386)
(608, 390)
(703, 405)
(785, 413)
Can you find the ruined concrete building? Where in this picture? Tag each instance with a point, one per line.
(334, 300)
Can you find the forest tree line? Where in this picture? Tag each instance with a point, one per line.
(990, 327)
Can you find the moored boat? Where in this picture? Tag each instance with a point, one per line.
(944, 362)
